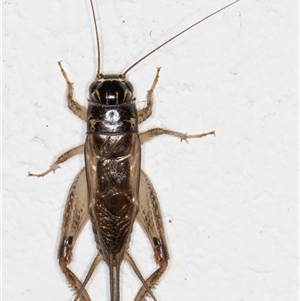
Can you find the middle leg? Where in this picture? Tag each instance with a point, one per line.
(148, 135)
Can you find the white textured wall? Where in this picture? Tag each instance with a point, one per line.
(230, 203)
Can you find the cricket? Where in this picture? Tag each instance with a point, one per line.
(111, 190)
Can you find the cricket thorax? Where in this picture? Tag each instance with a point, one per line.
(112, 119)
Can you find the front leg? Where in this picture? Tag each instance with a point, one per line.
(146, 112)
(73, 105)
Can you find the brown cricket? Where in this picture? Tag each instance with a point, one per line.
(112, 190)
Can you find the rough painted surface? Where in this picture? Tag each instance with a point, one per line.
(230, 203)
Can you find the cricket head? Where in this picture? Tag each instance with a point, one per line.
(111, 89)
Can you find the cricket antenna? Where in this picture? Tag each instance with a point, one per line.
(98, 74)
(174, 37)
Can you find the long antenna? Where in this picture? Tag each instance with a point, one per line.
(97, 39)
(163, 44)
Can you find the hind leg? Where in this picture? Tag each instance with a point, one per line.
(74, 219)
(150, 219)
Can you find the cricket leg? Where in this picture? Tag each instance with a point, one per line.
(130, 260)
(73, 105)
(148, 135)
(74, 219)
(64, 157)
(150, 219)
(146, 112)
(96, 261)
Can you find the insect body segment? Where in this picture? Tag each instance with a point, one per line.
(111, 90)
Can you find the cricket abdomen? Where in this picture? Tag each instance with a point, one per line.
(113, 217)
